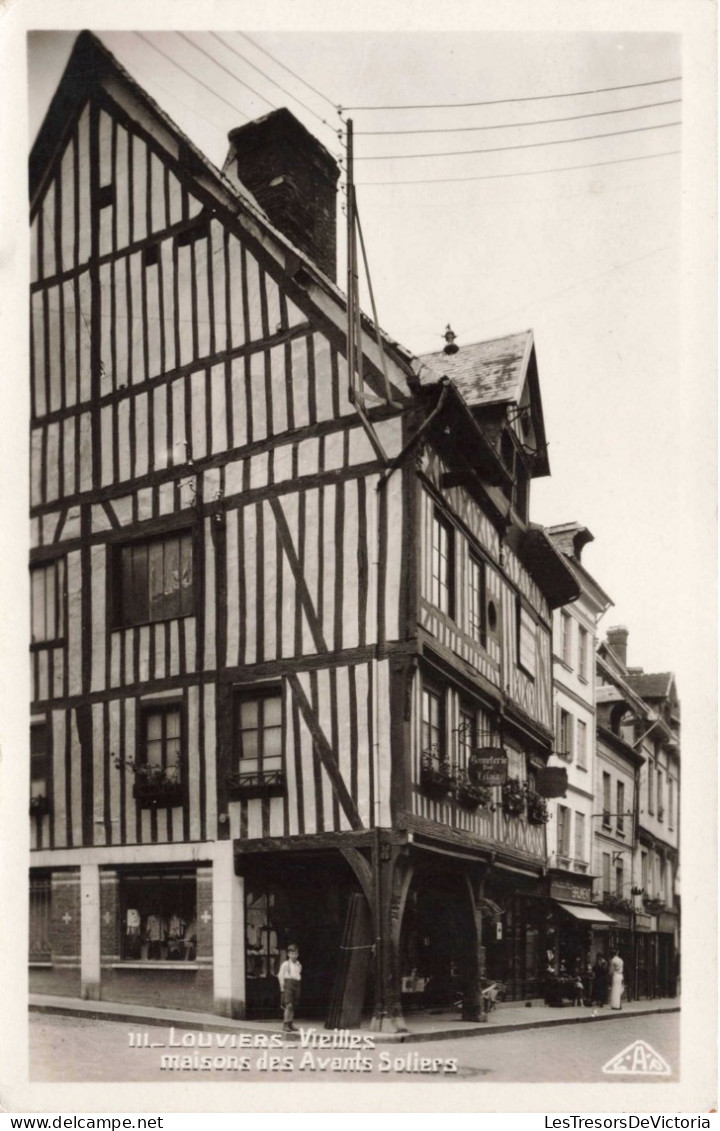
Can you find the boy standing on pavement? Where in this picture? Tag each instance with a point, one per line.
(289, 977)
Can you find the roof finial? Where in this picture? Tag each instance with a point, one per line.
(450, 336)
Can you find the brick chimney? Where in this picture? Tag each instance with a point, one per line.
(293, 177)
(617, 638)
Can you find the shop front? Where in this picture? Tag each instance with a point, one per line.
(578, 930)
(438, 952)
(127, 933)
(517, 941)
(303, 898)
(646, 952)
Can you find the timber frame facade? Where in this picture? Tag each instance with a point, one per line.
(267, 636)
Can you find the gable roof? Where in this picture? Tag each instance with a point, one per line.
(495, 373)
(486, 372)
(92, 67)
(652, 685)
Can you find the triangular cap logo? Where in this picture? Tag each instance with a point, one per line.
(638, 1059)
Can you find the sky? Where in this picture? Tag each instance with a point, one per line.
(588, 258)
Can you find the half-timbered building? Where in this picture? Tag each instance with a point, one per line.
(276, 629)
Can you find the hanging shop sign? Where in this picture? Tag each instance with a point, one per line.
(488, 765)
(551, 781)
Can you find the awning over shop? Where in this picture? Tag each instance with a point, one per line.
(586, 911)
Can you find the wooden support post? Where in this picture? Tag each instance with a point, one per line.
(392, 873)
(473, 1006)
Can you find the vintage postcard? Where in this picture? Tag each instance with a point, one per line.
(359, 699)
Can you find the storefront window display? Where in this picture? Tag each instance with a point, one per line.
(158, 917)
(517, 944)
(261, 935)
(40, 918)
(436, 952)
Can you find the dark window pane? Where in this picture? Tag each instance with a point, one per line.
(139, 599)
(186, 574)
(171, 577)
(156, 580)
(156, 585)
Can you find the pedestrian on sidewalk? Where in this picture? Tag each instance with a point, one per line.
(290, 978)
(616, 980)
(600, 982)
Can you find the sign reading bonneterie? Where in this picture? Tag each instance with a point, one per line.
(488, 765)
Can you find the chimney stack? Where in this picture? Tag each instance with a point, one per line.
(293, 177)
(617, 639)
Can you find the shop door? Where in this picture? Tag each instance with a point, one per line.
(306, 906)
(437, 946)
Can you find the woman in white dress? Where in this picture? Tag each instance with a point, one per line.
(616, 980)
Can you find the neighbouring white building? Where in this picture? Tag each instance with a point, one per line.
(642, 711)
(572, 817)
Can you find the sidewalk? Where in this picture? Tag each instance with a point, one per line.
(422, 1026)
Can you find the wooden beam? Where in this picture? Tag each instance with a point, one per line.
(324, 752)
(362, 869)
(307, 842)
(296, 567)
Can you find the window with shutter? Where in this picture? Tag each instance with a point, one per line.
(583, 652)
(47, 599)
(156, 580)
(606, 864)
(620, 808)
(581, 744)
(477, 607)
(580, 837)
(564, 730)
(563, 831)
(607, 799)
(566, 638)
(526, 641)
(442, 564)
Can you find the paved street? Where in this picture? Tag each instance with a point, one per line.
(77, 1049)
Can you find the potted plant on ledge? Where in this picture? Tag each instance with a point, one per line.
(436, 776)
(39, 805)
(513, 798)
(537, 809)
(470, 795)
(156, 787)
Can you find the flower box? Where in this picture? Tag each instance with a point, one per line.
(157, 794)
(436, 776)
(537, 810)
(513, 798)
(470, 795)
(612, 903)
(268, 783)
(39, 805)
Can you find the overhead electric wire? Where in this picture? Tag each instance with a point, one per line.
(528, 173)
(290, 72)
(503, 101)
(526, 145)
(514, 125)
(190, 75)
(226, 69)
(289, 93)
